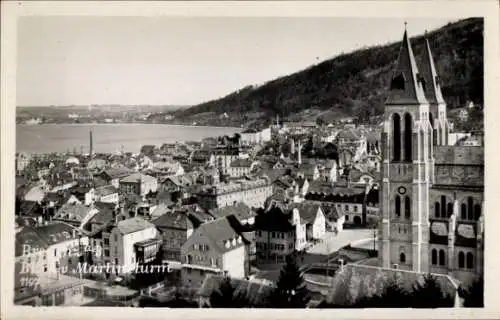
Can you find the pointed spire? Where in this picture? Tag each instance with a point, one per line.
(432, 87)
(406, 87)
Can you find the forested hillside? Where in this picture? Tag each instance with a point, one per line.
(353, 84)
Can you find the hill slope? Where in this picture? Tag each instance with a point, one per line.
(354, 84)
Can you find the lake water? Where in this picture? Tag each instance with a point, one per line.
(107, 137)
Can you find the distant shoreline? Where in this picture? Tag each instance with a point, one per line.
(127, 123)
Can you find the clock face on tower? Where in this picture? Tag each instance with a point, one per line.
(402, 190)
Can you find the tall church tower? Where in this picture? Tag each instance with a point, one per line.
(406, 165)
(437, 105)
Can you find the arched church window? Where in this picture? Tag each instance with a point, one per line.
(461, 260)
(398, 82)
(407, 207)
(437, 210)
(397, 206)
(470, 260)
(443, 206)
(434, 257)
(463, 211)
(441, 258)
(402, 257)
(408, 137)
(470, 208)
(477, 211)
(396, 137)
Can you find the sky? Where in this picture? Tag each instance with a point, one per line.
(180, 60)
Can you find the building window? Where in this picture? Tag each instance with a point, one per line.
(443, 206)
(461, 260)
(346, 207)
(355, 208)
(397, 205)
(346, 217)
(106, 241)
(407, 207)
(55, 252)
(470, 260)
(470, 212)
(437, 213)
(106, 252)
(116, 237)
(463, 211)
(434, 257)
(396, 137)
(441, 258)
(45, 268)
(477, 211)
(402, 257)
(408, 137)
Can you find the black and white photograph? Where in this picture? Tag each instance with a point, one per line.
(271, 162)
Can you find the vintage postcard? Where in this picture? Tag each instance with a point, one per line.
(181, 158)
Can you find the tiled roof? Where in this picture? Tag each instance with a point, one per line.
(137, 177)
(274, 219)
(240, 210)
(105, 190)
(176, 220)
(307, 210)
(407, 90)
(220, 231)
(105, 214)
(133, 225)
(356, 281)
(73, 211)
(41, 237)
(117, 173)
(241, 163)
(459, 155)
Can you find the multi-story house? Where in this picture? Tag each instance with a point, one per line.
(349, 201)
(279, 231)
(49, 249)
(112, 176)
(251, 192)
(213, 248)
(175, 228)
(138, 184)
(432, 193)
(314, 217)
(240, 168)
(133, 241)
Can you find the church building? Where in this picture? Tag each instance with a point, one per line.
(432, 192)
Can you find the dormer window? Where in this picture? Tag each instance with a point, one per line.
(398, 82)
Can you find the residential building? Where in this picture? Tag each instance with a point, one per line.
(314, 217)
(251, 192)
(139, 184)
(213, 248)
(279, 231)
(175, 228)
(133, 241)
(240, 168)
(75, 214)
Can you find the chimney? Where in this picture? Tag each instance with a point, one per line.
(91, 144)
(300, 153)
(341, 264)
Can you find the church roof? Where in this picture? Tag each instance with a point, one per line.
(459, 155)
(406, 87)
(432, 87)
